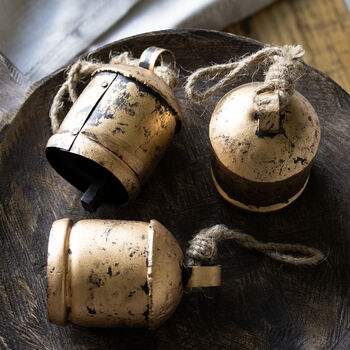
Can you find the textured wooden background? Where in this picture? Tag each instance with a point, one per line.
(263, 304)
(321, 26)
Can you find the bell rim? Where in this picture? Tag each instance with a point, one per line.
(56, 271)
(252, 208)
(127, 177)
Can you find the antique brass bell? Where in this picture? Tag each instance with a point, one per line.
(117, 131)
(262, 163)
(112, 273)
(263, 135)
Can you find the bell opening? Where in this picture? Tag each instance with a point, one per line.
(97, 183)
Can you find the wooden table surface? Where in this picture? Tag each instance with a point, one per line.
(263, 304)
(321, 26)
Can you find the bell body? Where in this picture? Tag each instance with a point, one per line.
(259, 171)
(111, 273)
(116, 132)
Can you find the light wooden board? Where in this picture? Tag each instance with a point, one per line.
(321, 26)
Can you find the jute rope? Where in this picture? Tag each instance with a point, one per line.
(203, 247)
(285, 69)
(84, 68)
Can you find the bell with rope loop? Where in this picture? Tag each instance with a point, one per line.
(117, 131)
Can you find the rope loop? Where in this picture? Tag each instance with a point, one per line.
(285, 69)
(203, 247)
(83, 68)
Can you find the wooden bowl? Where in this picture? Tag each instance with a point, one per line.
(263, 304)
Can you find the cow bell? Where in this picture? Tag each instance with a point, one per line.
(116, 132)
(112, 273)
(262, 164)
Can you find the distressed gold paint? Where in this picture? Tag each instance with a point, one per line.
(116, 273)
(205, 276)
(241, 156)
(164, 274)
(124, 121)
(113, 273)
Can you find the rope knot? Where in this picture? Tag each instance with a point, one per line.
(293, 52)
(203, 247)
(285, 69)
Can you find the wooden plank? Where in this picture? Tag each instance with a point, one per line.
(263, 304)
(321, 26)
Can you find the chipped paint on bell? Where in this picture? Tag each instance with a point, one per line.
(259, 171)
(115, 133)
(113, 273)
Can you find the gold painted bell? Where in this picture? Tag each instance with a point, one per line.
(113, 273)
(116, 132)
(262, 164)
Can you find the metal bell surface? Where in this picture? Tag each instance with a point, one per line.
(257, 170)
(116, 132)
(112, 273)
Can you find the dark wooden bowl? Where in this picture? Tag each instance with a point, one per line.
(263, 304)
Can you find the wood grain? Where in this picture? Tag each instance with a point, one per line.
(263, 304)
(12, 93)
(321, 26)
